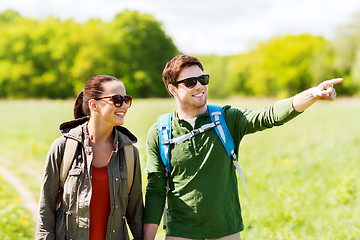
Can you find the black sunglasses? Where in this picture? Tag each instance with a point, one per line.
(192, 81)
(118, 100)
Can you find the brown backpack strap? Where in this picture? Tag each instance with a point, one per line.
(130, 162)
(68, 157)
(69, 153)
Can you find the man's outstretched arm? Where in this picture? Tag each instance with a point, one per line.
(324, 91)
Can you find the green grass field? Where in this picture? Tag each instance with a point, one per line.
(303, 177)
(15, 222)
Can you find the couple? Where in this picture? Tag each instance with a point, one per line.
(202, 195)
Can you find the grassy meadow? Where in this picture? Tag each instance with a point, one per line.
(303, 177)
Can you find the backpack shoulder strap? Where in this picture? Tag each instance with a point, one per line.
(216, 114)
(130, 164)
(69, 153)
(164, 130)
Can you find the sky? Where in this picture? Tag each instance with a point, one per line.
(221, 27)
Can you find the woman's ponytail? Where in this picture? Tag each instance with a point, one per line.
(78, 106)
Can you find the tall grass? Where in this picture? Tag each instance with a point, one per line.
(302, 177)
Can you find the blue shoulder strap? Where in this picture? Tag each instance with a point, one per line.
(216, 114)
(164, 129)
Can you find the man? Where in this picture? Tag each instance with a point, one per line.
(203, 200)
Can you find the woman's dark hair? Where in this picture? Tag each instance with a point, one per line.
(93, 89)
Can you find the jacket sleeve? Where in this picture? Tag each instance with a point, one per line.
(49, 192)
(135, 207)
(156, 187)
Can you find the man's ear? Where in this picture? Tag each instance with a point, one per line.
(172, 89)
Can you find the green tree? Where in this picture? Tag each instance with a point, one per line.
(15, 54)
(139, 49)
(219, 69)
(53, 58)
(91, 58)
(55, 47)
(346, 55)
(280, 67)
(9, 16)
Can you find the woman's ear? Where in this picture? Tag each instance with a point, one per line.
(92, 104)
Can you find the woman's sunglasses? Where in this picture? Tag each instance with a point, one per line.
(118, 100)
(191, 82)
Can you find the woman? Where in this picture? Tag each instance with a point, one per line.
(96, 199)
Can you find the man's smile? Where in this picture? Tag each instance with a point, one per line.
(200, 94)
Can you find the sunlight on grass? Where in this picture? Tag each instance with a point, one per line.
(302, 177)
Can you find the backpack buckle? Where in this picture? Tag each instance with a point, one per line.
(195, 132)
(233, 155)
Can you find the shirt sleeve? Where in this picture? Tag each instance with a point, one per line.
(246, 121)
(156, 187)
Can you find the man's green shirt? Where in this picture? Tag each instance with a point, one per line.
(203, 199)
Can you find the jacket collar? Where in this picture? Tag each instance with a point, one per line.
(76, 129)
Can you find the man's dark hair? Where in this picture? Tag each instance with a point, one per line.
(174, 66)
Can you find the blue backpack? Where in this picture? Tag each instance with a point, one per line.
(217, 122)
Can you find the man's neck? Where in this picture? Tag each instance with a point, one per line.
(190, 113)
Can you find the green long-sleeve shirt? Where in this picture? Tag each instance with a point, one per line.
(203, 198)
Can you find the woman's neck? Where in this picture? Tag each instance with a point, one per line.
(99, 133)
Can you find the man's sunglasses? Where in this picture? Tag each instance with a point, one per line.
(118, 100)
(192, 81)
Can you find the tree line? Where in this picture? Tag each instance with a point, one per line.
(52, 59)
(286, 65)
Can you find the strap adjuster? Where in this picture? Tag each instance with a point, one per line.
(195, 132)
(233, 156)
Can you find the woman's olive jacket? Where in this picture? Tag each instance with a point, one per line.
(71, 220)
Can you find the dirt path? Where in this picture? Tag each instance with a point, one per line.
(25, 194)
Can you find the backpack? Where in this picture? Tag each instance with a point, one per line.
(69, 153)
(217, 122)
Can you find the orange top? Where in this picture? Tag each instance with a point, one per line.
(100, 203)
